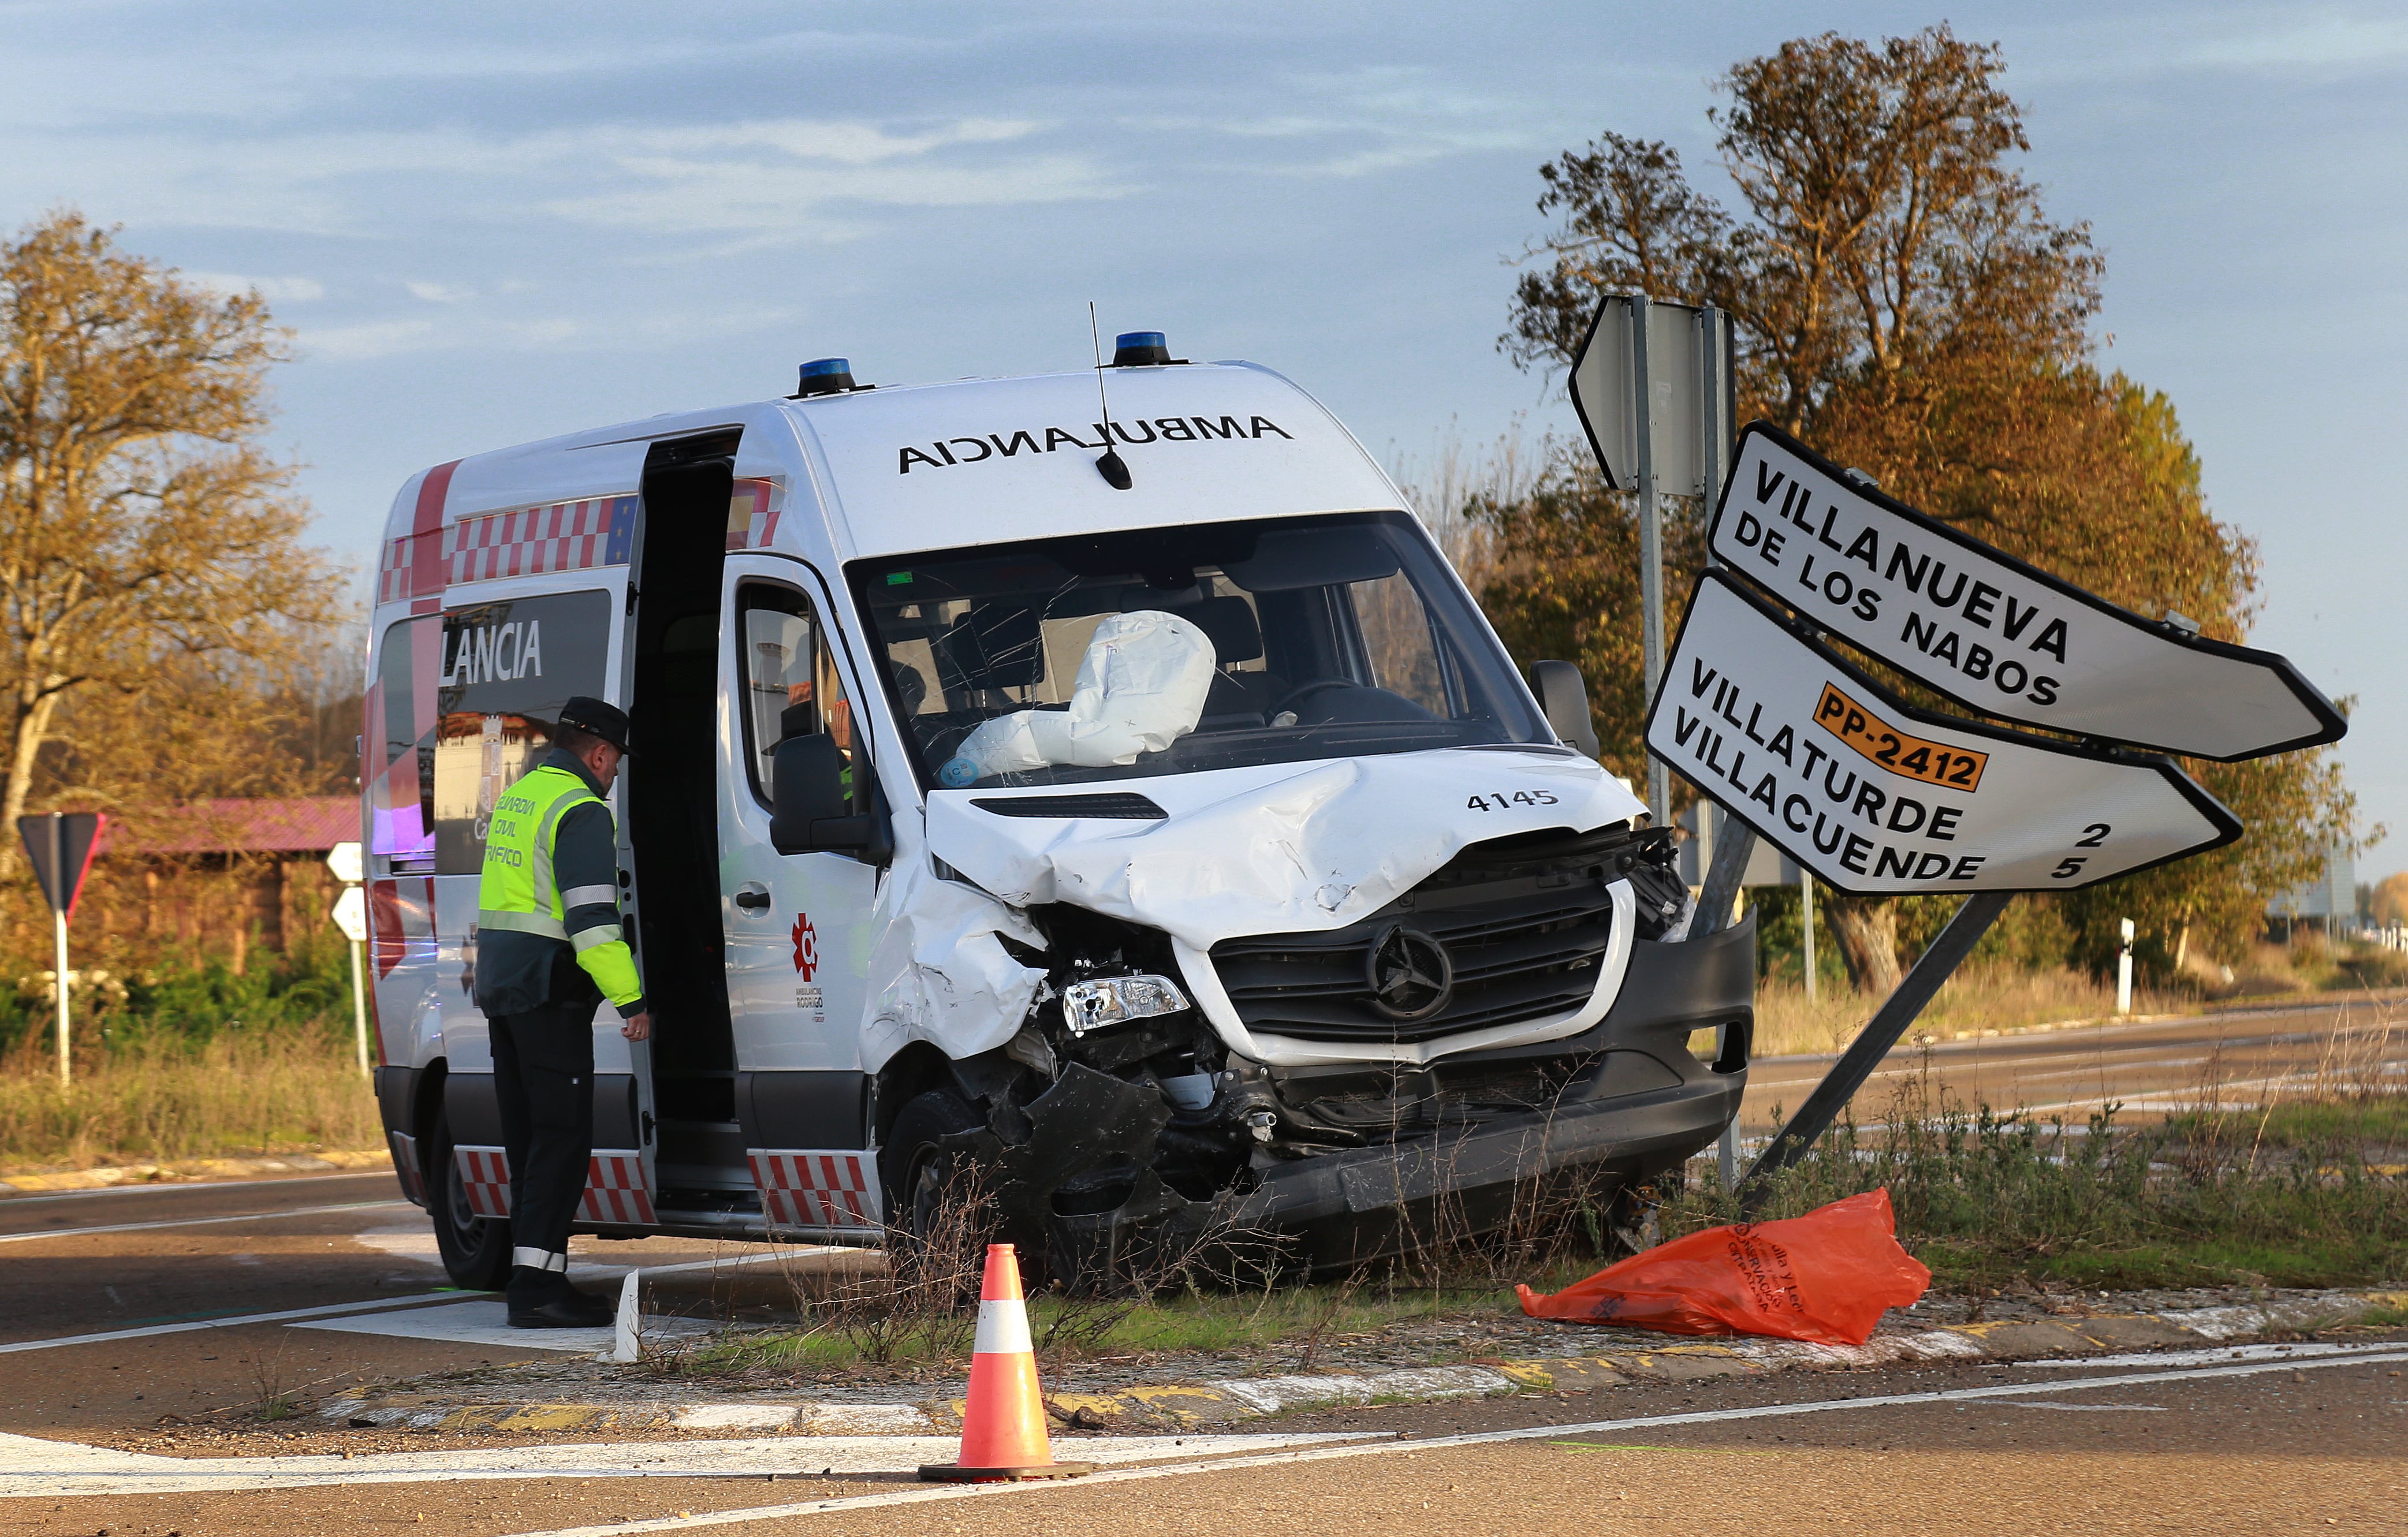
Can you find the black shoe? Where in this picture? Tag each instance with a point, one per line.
(559, 1306)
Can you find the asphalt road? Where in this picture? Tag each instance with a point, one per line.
(131, 1308)
(2146, 1070)
(2187, 1444)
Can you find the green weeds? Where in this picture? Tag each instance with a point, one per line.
(2295, 1195)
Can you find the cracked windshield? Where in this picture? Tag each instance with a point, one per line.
(1118, 655)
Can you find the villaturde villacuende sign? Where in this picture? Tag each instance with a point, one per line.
(1877, 797)
(1996, 635)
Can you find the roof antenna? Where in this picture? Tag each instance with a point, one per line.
(1111, 467)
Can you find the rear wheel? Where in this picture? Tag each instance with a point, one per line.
(476, 1250)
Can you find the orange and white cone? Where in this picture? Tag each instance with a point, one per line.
(1003, 1420)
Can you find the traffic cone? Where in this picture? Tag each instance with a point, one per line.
(1003, 1421)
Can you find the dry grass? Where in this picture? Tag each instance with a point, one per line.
(157, 1098)
(2295, 1182)
(1983, 996)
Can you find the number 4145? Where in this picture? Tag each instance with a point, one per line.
(1503, 801)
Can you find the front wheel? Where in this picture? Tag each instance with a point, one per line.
(476, 1250)
(931, 1191)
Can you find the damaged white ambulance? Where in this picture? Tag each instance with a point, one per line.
(1141, 816)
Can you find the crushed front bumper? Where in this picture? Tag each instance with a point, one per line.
(1641, 1105)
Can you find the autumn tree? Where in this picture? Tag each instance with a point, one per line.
(1904, 303)
(154, 588)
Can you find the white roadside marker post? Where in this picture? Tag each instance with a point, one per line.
(626, 1335)
(2124, 972)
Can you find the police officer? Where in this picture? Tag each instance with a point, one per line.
(549, 950)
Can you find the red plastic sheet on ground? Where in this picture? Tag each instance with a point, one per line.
(1825, 1277)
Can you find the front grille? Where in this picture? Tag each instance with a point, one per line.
(1525, 921)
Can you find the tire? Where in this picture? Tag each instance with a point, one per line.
(476, 1250)
(915, 1169)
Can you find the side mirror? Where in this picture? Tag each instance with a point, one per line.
(810, 814)
(1565, 699)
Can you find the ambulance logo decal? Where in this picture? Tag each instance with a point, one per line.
(807, 946)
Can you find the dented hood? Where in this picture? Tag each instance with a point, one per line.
(1278, 848)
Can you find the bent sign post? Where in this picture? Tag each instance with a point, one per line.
(1990, 632)
(1878, 798)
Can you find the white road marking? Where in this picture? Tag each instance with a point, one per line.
(2218, 1355)
(31, 1467)
(414, 1241)
(1181, 1470)
(232, 1321)
(389, 1303)
(195, 1222)
(9, 1202)
(485, 1321)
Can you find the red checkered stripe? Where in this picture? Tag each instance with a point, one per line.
(615, 1190)
(485, 1172)
(811, 1187)
(529, 541)
(393, 570)
(753, 514)
(518, 541)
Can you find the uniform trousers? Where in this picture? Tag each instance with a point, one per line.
(543, 1084)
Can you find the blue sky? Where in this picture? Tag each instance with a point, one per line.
(490, 223)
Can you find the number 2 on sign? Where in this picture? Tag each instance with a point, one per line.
(1501, 802)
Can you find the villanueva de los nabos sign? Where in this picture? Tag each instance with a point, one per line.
(1876, 797)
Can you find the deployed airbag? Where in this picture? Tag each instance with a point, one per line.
(1140, 687)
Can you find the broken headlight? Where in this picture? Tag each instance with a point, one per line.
(1102, 1001)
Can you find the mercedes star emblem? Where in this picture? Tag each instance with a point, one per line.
(1412, 975)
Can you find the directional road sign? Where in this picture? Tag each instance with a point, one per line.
(351, 915)
(344, 860)
(1882, 799)
(1990, 632)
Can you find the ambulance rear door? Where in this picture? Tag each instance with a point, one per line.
(514, 652)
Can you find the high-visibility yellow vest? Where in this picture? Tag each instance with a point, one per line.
(515, 890)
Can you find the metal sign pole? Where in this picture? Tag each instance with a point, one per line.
(1651, 544)
(359, 1012)
(1864, 1054)
(1806, 908)
(351, 917)
(59, 915)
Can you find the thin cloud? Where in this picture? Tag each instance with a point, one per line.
(371, 340)
(758, 196)
(2324, 44)
(274, 290)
